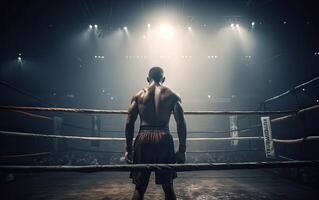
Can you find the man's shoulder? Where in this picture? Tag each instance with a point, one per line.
(138, 94)
(172, 93)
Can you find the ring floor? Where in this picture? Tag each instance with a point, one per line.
(203, 185)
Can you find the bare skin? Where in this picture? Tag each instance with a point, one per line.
(154, 104)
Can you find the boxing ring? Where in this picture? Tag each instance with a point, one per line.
(266, 122)
(267, 137)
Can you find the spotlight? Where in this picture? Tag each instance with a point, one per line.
(189, 28)
(166, 31)
(90, 26)
(209, 96)
(232, 25)
(95, 56)
(303, 89)
(252, 23)
(98, 56)
(95, 26)
(148, 25)
(317, 100)
(237, 25)
(102, 56)
(125, 28)
(19, 59)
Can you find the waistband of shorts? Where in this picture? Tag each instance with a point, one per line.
(154, 128)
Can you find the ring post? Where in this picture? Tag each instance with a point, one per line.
(57, 125)
(96, 130)
(233, 129)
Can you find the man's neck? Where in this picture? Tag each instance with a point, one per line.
(155, 83)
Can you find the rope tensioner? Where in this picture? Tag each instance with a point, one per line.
(159, 167)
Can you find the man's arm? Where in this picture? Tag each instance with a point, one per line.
(130, 122)
(181, 126)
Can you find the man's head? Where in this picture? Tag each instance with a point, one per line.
(156, 74)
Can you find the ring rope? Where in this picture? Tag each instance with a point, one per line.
(188, 152)
(160, 167)
(95, 111)
(299, 112)
(119, 138)
(24, 93)
(308, 138)
(24, 155)
(120, 131)
(298, 87)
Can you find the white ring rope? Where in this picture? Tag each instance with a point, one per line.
(96, 111)
(119, 138)
(298, 140)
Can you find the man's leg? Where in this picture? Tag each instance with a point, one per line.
(141, 183)
(169, 191)
(139, 191)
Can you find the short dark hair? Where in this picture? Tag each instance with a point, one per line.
(156, 74)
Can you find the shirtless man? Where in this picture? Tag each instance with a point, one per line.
(154, 143)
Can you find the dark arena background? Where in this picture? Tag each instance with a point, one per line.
(247, 72)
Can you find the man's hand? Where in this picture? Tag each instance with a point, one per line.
(129, 157)
(180, 157)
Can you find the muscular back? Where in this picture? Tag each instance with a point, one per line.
(155, 104)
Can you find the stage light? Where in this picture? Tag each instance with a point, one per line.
(237, 25)
(148, 25)
(125, 28)
(102, 56)
(232, 25)
(19, 59)
(190, 28)
(317, 100)
(303, 89)
(98, 56)
(252, 23)
(90, 26)
(95, 26)
(95, 56)
(166, 30)
(209, 96)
